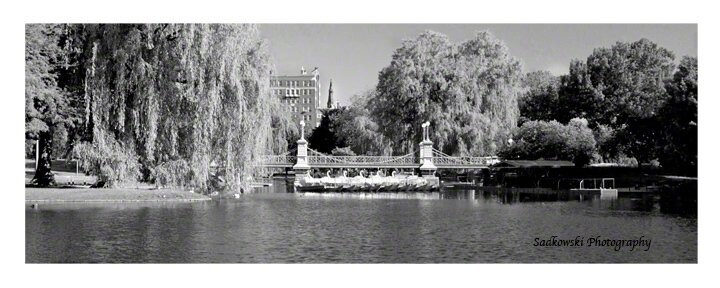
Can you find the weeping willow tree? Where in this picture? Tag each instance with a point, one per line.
(178, 103)
(468, 91)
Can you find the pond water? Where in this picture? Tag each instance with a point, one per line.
(278, 227)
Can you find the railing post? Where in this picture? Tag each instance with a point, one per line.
(301, 165)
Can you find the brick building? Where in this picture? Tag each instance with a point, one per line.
(301, 93)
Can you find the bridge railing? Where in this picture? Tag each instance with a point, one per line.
(315, 157)
(270, 160)
(361, 160)
(442, 159)
(452, 160)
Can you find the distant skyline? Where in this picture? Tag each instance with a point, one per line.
(353, 54)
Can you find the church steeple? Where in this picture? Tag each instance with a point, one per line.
(330, 103)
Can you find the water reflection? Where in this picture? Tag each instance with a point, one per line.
(376, 195)
(450, 226)
(682, 202)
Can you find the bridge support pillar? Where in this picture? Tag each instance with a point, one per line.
(427, 168)
(301, 167)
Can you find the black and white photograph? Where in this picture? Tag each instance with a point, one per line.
(243, 141)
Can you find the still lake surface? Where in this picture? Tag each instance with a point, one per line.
(279, 227)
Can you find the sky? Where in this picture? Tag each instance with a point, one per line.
(353, 54)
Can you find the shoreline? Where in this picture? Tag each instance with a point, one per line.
(64, 195)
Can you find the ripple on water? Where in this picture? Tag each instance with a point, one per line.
(290, 228)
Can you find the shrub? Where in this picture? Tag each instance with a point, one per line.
(344, 151)
(172, 173)
(109, 160)
(624, 160)
(553, 140)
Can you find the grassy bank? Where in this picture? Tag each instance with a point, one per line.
(109, 195)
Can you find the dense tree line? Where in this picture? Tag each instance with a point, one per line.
(627, 104)
(467, 91)
(172, 104)
(638, 104)
(185, 104)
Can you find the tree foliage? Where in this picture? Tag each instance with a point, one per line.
(540, 99)
(552, 140)
(47, 111)
(468, 91)
(342, 151)
(619, 90)
(175, 104)
(349, 127)
(191, 95)
(679, 134)
(617, 85)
